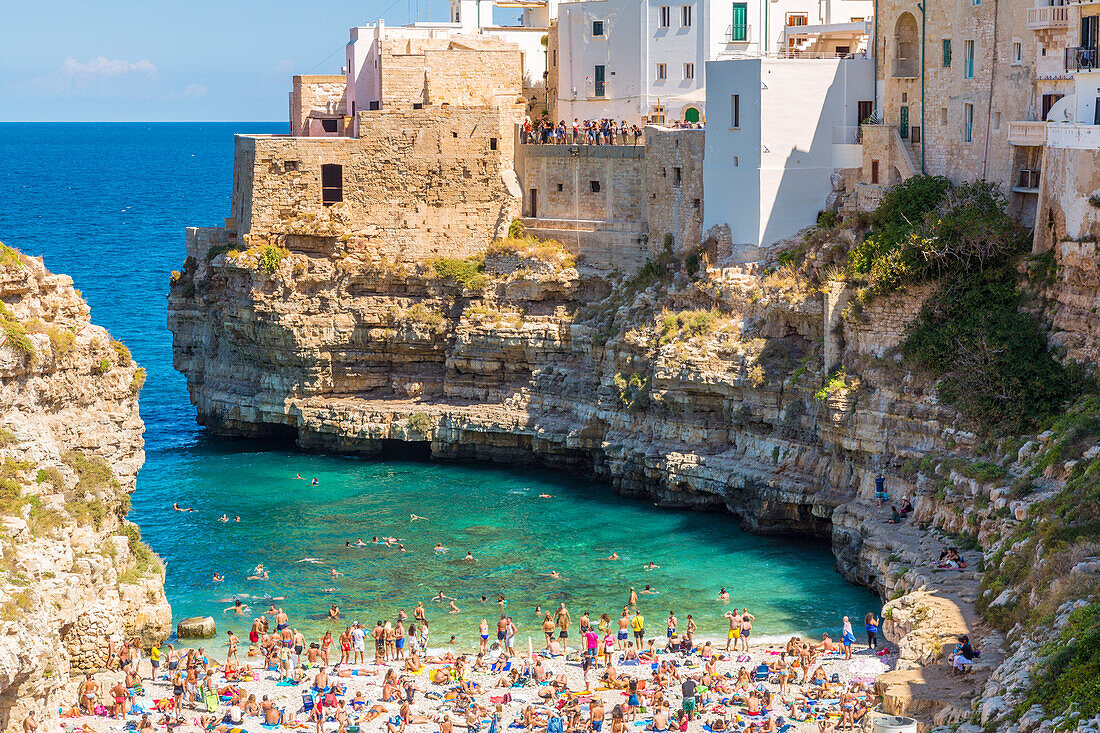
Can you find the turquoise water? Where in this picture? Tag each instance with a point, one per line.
(107, 204)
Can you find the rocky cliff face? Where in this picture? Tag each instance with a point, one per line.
(71, 568)
(694, 385)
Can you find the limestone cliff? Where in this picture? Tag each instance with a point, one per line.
(760, 390)
(71, 568)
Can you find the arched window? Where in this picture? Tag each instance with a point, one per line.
(906, 47)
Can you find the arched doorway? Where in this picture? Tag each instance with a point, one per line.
(691, 114)
(906, 41)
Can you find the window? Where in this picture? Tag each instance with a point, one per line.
(676, 177)
(735, 161)
(1048, 101)
(735, 110)
(555, 57)
(915, 134)
(947, 53)
(597, 28)
(594, 186)
(560, 187)
(874, 171)
(662, 71)
(1017, 53)
(329, 125)
(968, 52)
(600, 87)
(332, 184)
(665, 17)
(975, 3)
(943, 115)
(290, 165)
(689, 71)
(492, 143)
(968, 123)
(685, 16)
(798, 19)
(739, 30)
(996, 120)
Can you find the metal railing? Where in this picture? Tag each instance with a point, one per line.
(1048, 16)
(1080, 58)
(847, 134)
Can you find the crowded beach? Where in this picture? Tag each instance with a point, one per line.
(629, 673)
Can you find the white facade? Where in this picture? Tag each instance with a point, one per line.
(466, 17)
(776, 131)
(652, 54)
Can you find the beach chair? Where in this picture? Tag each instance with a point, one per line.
(307, 702)
(761, 674)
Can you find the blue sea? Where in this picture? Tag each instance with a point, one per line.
(108, 204)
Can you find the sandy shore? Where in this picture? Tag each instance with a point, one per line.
(865, 665)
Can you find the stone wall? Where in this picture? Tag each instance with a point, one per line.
(1069, 178)
(416, 183)
(588, 197)
(674, 187)
(459, 72)
(999, 91)
(877, 327)
(325, 95)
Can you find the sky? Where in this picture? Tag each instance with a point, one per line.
(188, 60)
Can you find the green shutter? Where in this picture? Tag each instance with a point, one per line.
(740, 29)
(946, 52)
(599, 81)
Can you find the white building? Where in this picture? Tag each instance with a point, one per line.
(465, 18)
(776, 131)
(639, 60)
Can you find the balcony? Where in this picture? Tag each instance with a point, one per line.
(906, 67)
(1027, 133)
(1074, 136)
(1081, 58)
(1047, 17)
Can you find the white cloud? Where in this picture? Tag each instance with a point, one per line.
(195, 91)
(285, 66)
(100, 76)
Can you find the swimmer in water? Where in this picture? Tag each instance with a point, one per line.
(453, 608)
(237, 518)
(335, 573)
(553, 574)
(501, 600)
(546, 496)
(723, 595)
(613, 556)
(401, 548)
(360, 543)
(218, 578)
(414, 517)
(469, 557)
(647, 591)
(441, 597)
(314, 482)
(651, 565)
(178, 508)
(297, 475)
(439, 547)
(238, 608)
(334, 612)
(223, 518)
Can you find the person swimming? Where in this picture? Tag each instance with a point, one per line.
(360, 543)
(441, 597)
(649, 591)
(469, 557)
(223, 518)
(439, 547)
(613, 556)
(297, 475)
(178, 508)
(237, 518)
(218, 577)
(650, 565)
(414, 517)
(238, 608)
(723, 595)
(314, 482)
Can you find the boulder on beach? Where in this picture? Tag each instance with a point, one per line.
(196, 627)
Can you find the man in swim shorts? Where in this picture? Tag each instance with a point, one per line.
(734, 630)
(624, 622)
(358, 644)
(563, 620)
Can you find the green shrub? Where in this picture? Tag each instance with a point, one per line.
(15, 335)
(93, 473)
(992, 360)
(231, 249)
(633, 391)
(61, 340)
(138, 380)
(827, 219)
(687, 324)
(271, 256)
(837, 381)
(124, 356)
(1069, 673)
(7, 438)
(102, 366)
(469, 272)
(420, 423)
(10, 257)
(516, 230)
(51, 476)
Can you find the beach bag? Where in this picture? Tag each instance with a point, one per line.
(211, 701)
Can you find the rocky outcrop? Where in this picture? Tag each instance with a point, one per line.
(72, 570)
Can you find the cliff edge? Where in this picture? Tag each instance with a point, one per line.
(72, 569)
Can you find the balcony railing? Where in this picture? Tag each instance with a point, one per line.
(1081, 58)
(1030, 133)
(1074, 136)
(1048, 16)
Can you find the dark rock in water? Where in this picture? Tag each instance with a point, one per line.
(196, 627)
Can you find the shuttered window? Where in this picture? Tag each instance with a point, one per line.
(332, 184)
(740, 28)
(946, 53)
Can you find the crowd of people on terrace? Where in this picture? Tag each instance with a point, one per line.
(587, 132)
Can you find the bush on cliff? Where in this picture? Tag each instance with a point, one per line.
(469, 272)
(10, 257)
(271, 256)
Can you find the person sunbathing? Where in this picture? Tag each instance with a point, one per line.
(827, 645)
